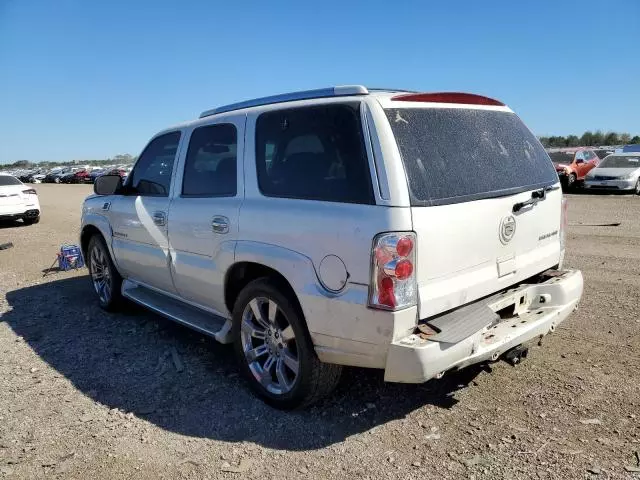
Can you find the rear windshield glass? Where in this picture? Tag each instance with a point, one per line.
(454, 155)
(620, 161)
(6, 180)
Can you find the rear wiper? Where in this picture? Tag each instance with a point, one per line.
(536, 196)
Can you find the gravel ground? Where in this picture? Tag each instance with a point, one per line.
(86, 394)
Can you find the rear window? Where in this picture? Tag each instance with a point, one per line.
(6, 180)
(620, 161)
(454, 155)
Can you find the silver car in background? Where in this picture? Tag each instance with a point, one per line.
(620, 171)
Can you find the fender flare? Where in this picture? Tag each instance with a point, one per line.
(295, 267)
(103, 226)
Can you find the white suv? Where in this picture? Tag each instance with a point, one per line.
(18, 201)
(415, 233)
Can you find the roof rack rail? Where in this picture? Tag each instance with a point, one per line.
(339, 91)
(391, 90)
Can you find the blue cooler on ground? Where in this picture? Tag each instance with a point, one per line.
(70, 257)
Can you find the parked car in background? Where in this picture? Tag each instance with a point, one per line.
(95, 173)
(631, 148)
(18, 201)
(24, 175)
(55, 175)
(118, 171)
(36, 177)
(572, 166)
(412, 232)
(77, 176)
(620, 171)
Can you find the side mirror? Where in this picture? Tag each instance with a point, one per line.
(107, 185)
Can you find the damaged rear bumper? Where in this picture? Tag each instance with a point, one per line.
(499, 323)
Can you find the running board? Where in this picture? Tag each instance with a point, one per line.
(178, 311)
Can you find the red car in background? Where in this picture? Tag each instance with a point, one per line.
(573, 165)
(118, 171)
(78, 176)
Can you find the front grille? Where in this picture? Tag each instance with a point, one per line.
(604, 177)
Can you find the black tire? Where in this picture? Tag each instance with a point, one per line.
(314, 379)
(56, 180)
(571, 181)
(31, 220)
(637, 190)
(112, 299)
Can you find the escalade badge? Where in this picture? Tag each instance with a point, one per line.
(507, 229)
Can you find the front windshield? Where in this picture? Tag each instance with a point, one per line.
(620, 161)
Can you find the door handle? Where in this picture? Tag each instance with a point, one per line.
(220, 224)
(160, 218)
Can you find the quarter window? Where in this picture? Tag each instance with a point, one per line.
(152, 173)
(210, 168)
(313, 153)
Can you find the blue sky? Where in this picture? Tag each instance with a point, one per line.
(92, 79)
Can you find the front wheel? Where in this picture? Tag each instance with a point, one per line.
(31, 220)
(274, 349)
(637, 189)
(571, 181)
(106, 280)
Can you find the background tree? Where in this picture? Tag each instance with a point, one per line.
(587, 138)
(21, 164)
(598, 138)
(611, 138)
(573, 141)
(635, 139)
(625, 138)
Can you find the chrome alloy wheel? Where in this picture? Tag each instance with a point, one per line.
(101, 274)
(269, 346)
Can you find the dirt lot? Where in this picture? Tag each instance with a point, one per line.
(86, 394)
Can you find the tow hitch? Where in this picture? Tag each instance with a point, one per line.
(516, 355)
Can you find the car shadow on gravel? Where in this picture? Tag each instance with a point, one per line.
(184, 382)
(4, 224)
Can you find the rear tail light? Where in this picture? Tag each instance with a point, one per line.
(29, 191)
(393, 283)
(563, 223)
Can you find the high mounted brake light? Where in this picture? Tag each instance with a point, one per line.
(448, 97)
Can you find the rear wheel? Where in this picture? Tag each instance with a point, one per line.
(274, 349)
(106, 280)
(31, 220)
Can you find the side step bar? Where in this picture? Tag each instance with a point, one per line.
(173, 309)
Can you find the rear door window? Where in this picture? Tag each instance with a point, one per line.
(454, 155)
(211, 165)
(313, 153)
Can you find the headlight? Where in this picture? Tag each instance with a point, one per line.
(631, 176)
